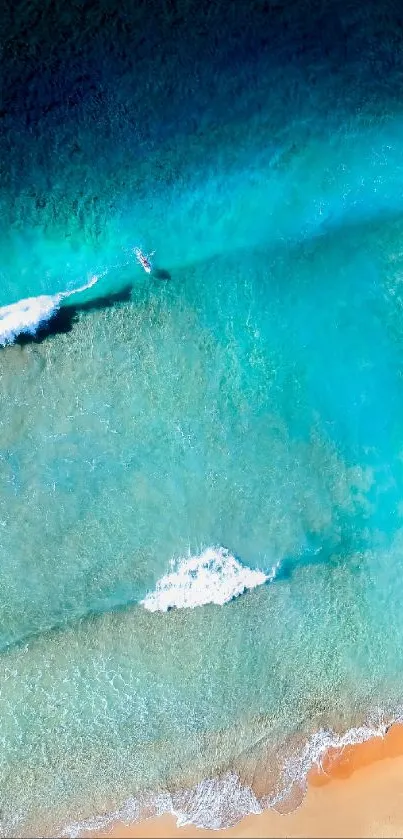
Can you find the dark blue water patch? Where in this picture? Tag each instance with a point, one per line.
(121, 82)
(94, 45)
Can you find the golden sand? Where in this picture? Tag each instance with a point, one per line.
(358, 793)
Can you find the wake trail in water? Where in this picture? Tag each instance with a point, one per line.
(28, 314)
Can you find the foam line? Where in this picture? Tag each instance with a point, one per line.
(216, 803)
(28, 314)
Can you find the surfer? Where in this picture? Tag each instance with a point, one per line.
(144, 259)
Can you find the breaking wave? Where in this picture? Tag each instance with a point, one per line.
(214, 576)
(217, 803)
(28, 314)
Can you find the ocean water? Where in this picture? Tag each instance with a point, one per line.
(201, 510)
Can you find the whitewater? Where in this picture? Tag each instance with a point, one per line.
(25, 316)
(212, 577)
(201, 532)
(190, 416)
(217, 803)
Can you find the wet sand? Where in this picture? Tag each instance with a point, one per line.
(357, 793)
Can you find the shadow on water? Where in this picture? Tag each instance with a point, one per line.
(64, 318)
(161, 274)
(328, 552)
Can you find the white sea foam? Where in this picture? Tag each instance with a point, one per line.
(215, 576)
(212, 804)
(31, 312)
(297, 767)
(216, 803)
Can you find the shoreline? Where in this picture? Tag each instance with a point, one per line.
(356, 792)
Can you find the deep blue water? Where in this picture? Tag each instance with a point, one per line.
(246, 396)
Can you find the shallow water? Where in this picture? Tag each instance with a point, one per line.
(247, 397)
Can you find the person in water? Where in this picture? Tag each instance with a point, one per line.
(144, 259)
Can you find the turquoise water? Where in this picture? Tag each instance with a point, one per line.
(251, 400)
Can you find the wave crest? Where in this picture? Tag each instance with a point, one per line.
(214, 576)
(28, 314)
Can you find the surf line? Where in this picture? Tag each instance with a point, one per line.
(28, 314)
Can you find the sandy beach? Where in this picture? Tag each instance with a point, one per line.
(357, 793)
